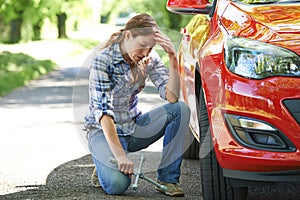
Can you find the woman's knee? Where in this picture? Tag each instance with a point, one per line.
(111, 179)
(182, 108)
(117, 184)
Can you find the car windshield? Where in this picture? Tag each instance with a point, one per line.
(266, 1)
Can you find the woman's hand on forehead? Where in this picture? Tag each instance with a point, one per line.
(165, 42)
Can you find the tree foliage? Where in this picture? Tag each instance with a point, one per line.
(156, 8)
(30, 15)
(24, 19)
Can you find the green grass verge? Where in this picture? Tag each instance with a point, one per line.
(86, 43)
(17, 69)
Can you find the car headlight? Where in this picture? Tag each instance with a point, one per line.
(258, 60)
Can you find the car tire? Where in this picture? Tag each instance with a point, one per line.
(192, 146)
(214, 185)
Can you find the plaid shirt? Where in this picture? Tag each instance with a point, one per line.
(112, 91)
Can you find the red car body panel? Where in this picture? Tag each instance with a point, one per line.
(271, 24)
(228, 93)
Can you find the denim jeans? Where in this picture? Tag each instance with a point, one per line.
(170, 120)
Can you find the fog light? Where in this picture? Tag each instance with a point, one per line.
(258, 134)
(252, 124)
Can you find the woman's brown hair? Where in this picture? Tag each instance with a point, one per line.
(141, 24)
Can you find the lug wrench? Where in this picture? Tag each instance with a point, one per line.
(141, 175)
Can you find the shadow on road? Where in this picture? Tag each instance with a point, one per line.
(71, 180)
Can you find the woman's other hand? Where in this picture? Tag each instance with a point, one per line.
(125, 165)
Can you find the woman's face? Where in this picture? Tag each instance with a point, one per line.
(138, 47)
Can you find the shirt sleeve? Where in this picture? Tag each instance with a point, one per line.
(100, 87)
(158, 74)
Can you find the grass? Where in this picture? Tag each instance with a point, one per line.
(17, 69)
(86, 43)
(21, 63)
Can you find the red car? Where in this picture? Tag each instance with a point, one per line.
(240, 75)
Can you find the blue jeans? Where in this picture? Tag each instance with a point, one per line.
(170, 120)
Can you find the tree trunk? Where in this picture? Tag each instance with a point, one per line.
(61, 25)
(15, 30)
(37, 31)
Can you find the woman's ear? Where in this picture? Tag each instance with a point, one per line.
(128, 34)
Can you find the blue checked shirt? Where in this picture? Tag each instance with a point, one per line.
(112, 91)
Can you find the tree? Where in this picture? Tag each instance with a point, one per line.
(108, 7)
(61, 25)
(42, 10)
(156, 8)
(13, 13)
(25, 18)
(60, 9)
(65, 8)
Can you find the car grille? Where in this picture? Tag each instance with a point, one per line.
(293, 105)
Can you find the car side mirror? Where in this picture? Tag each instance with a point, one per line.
(189, 6)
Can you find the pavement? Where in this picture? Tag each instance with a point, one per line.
(43, 155)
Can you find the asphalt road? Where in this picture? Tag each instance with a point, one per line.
(42, 155)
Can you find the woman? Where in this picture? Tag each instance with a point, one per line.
(115, 125)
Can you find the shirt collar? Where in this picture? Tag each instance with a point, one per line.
(116, 53)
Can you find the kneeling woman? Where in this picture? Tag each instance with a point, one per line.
(115, 125)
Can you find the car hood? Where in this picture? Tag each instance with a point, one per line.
(277, 24)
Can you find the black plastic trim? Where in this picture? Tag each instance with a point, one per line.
(212, 11)
(293, 105)
(276, 176)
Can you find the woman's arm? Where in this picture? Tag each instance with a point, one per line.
(110, 132)
(100, 94)
(173, 85)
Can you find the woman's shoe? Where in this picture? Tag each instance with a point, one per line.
(172, 189)
(94, 179)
